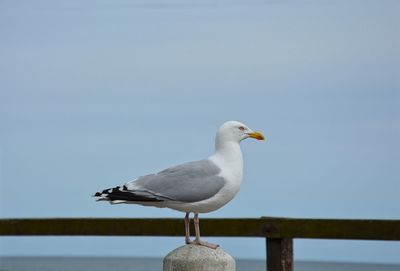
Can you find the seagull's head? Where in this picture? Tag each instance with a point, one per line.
(237, 131)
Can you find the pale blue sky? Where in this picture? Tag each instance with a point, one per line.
(94, 93)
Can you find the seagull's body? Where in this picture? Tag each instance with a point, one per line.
(195, 187)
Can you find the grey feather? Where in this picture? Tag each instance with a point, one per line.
(189, 182)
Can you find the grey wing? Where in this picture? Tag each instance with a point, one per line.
(189, 182)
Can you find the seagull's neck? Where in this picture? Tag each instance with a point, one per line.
(229, 153)
(228, 157)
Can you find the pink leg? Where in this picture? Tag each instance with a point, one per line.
(197, 241)
(187, 229)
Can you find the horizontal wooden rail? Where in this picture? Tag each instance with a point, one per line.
(279, 232)
(270, 227)
(357, 229)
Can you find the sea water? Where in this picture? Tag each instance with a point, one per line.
(153, 264)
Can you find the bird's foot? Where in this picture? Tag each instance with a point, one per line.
(188, 241)
(204, 243)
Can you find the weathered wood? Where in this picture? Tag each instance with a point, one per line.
(279, 254)
(244, 227)
(128, 227)
(357, 229)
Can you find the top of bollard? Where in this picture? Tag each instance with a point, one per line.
(198, 258)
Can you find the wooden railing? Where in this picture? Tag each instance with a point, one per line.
(279, 232)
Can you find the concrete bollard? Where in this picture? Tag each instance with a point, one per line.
(198, 258)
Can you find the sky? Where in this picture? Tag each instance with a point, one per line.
(95, 93)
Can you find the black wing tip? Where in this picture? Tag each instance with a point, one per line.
(119, 193)
(97, 194)
(107, 192)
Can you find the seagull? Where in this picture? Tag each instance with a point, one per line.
(194, 187)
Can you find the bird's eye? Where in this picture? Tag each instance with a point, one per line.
(241, 128)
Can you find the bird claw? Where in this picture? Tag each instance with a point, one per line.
(205, 244)
(197, 240)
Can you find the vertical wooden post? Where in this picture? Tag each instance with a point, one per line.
(279, 254)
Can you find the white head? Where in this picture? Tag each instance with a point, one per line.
(235, 131)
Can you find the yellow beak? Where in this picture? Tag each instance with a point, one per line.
(256, 135)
